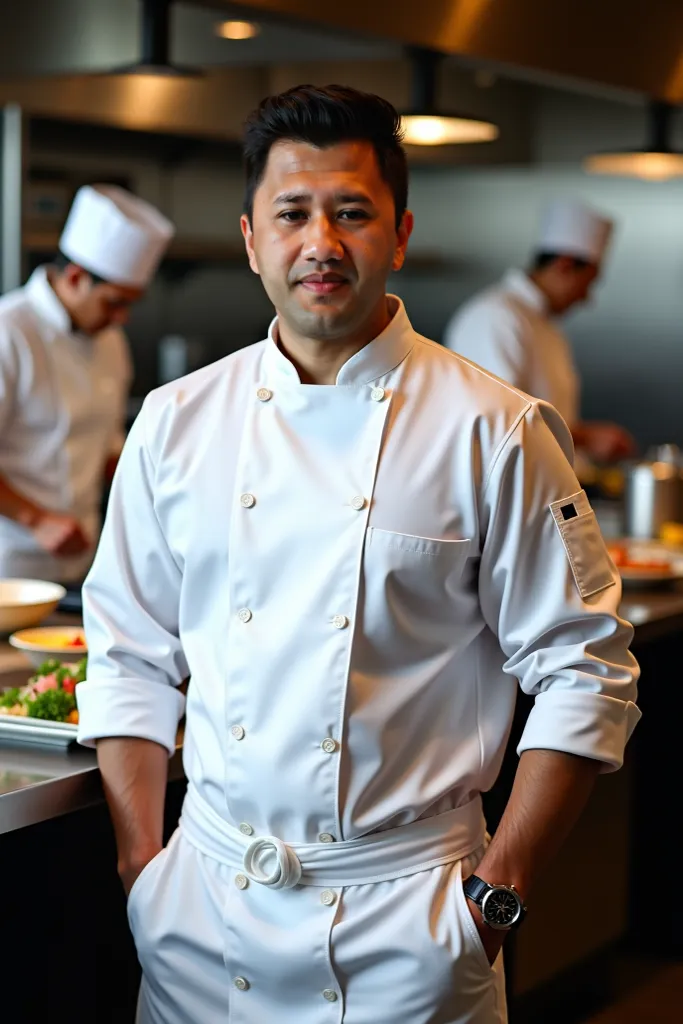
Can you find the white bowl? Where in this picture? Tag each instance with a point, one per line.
(26, 603)
(50, 642)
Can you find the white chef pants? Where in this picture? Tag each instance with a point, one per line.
(404, 951)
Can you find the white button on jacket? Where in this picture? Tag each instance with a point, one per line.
(458, 582)
(62, 410)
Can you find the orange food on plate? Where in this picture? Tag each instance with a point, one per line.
(624, 558)
(72, 718)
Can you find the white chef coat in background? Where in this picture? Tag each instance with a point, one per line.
(355, 577)
(62, 413)
(508, 330)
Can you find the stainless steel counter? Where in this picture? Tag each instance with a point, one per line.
(38, 783)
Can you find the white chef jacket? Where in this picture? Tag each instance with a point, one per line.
(507, 329)
(62, 412)
(355, 577)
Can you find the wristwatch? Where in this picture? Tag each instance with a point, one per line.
(500, 905)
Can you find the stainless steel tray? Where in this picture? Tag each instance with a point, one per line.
(37, 731)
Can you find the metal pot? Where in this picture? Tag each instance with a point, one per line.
(654, 492)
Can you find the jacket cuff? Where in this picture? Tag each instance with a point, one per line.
(129, 708)
(587, 724)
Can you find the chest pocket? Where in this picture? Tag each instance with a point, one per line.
(413, 583)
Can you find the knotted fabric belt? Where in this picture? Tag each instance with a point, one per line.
(379, 857)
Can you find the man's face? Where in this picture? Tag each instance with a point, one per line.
(323, 237)
(104, 305)
(575, 283)
(95, 306)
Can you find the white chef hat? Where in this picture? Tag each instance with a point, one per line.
(115, 235)
(570, 228)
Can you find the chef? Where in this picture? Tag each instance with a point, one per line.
(356, 571)
(64, 378)
(510, 329)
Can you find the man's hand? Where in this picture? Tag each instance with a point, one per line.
(60, 534)
(604, 442)
(491, 938)
(132, 868)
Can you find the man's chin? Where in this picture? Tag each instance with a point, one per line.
(323, 321)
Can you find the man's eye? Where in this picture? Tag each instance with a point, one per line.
(353, 215)
(292, 215)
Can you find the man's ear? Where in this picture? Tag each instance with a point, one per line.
(248, 235)
(404, 232)
(77, 278)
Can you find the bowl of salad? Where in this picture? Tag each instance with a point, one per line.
(49, 695)
(67, 643)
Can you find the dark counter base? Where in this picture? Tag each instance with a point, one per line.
(65, 947)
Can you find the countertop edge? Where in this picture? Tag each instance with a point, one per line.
(75, 790)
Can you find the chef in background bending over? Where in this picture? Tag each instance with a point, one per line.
(64, 377)
(510, 329)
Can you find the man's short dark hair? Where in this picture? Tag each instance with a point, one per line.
(324, 117)
(62, 262)
(544, 259)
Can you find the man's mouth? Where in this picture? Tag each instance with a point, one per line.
(323, 284)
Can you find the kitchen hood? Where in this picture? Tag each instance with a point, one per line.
(656, 161)
(426, 123)
(632, 45)
(155, 59)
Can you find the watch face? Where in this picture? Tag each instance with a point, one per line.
(501, 907)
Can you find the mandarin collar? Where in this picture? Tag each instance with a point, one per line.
(45, 303)
(373, 361)
(521, 285)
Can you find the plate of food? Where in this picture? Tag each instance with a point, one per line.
(44, 709)
(643, 564)
(67, 643)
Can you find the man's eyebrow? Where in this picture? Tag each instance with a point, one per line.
(292, 197)
(287, 198)
(353, 197)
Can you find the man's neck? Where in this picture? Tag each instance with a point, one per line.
(538, 278)
(319, 361)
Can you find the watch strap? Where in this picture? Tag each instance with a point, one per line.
(475, 888)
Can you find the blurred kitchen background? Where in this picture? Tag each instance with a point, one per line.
(560, 83)
(152, 95)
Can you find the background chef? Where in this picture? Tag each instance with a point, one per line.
(64, 378)
(510, 329)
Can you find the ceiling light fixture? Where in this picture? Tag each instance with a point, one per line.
(424, 124)
(156, 45)
(656, 162)
(237, 29)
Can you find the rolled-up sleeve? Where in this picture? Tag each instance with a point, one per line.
(131, 604)
(550, 593)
